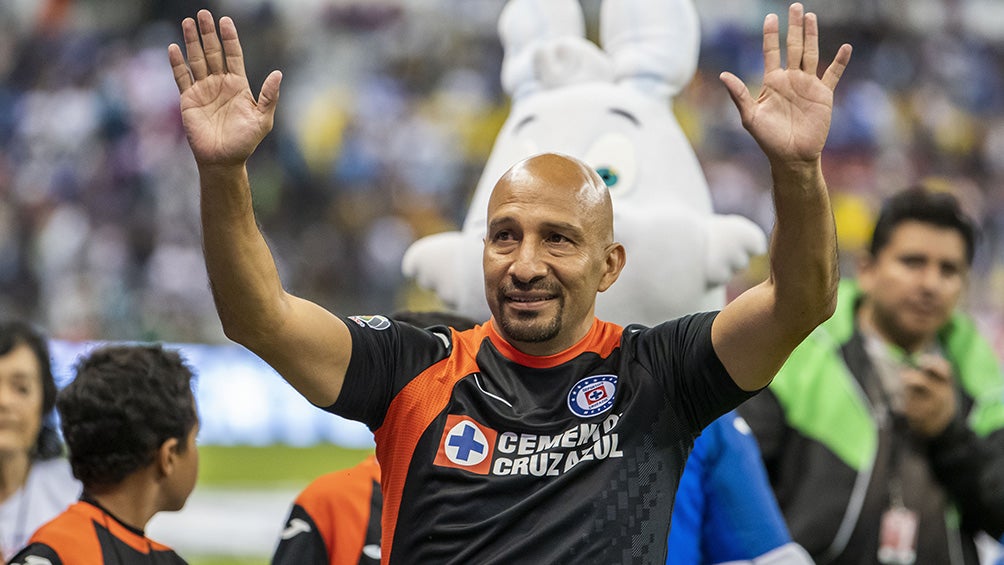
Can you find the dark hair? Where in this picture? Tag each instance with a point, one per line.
(12, 334)
(435, 318)
(919, 204)
(124, 403)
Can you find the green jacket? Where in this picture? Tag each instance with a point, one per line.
(831, 447)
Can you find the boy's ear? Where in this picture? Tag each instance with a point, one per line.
(166, 456)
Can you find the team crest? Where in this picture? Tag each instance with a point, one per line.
(372, 322)
(592, 395)
(466, 445)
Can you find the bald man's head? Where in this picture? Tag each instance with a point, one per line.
(555, 174)
(549, 250)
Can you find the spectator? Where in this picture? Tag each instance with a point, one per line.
(883, 434)
(36, 483)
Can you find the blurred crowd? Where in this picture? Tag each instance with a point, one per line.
(387, 114)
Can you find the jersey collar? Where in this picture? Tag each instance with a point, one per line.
(602, 338)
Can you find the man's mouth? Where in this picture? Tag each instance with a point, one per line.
(528, 299)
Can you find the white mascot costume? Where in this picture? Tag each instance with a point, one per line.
(611, 108)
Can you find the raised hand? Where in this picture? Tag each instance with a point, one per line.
(791, 117)
(223, 121)
(930, 402)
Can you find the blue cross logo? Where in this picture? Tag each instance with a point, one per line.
(596, 394)
(465, 443)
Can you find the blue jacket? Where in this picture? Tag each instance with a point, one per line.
(725, 509)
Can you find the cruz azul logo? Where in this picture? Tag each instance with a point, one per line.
(467, 445)
(592, 395)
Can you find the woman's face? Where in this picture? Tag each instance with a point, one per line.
(20, 400)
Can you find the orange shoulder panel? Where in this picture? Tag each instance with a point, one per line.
(339, 504)
(71, 535)
(410, 413)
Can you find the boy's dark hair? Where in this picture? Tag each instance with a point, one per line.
(124, 403)
(431, 318)
(919, 204)
(12, 334)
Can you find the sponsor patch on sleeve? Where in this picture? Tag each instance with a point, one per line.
(372, 322)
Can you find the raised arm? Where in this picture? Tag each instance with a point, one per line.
(224, 123)
(755, 333)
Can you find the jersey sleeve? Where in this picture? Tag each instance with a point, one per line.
(36, 554)
(681, 356)
(386, 355)
(300, 542)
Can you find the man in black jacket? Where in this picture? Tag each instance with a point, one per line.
(884, 432)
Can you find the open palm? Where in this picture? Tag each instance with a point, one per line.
(791, 117)
(223, 121)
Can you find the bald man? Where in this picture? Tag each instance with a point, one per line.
(544, 435)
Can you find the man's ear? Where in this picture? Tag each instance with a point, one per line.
(167, 456)
(616, 258)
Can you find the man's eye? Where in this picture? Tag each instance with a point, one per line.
(950, 270)
(557, 238)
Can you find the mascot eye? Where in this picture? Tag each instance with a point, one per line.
(615, 158)
(609, 175)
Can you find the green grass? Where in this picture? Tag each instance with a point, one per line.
(272, 466)
(264, 468)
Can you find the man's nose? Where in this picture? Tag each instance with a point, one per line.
(6, 394)
(528, 263)
(932, 278)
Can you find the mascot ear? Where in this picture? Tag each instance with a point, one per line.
(654, 43)
(526, 25)
(571, 60)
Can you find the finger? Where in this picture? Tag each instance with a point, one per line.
(268, 98)
(836, 69)
(232, 46)
(935, 367)
(913, 380)
(211, 43)
(795, 35)
(771, 44)
(196, 58)
(740, 95)
(917, 393)
(810, 52)
(182, 77)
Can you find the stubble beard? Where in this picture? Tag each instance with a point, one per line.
(528, 327)
(898, 327)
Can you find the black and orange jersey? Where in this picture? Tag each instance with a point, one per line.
(490, 455)
(335, 520)
(86, 534)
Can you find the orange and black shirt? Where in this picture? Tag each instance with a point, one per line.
(489, 455)
(335, 520)
(86, 534)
